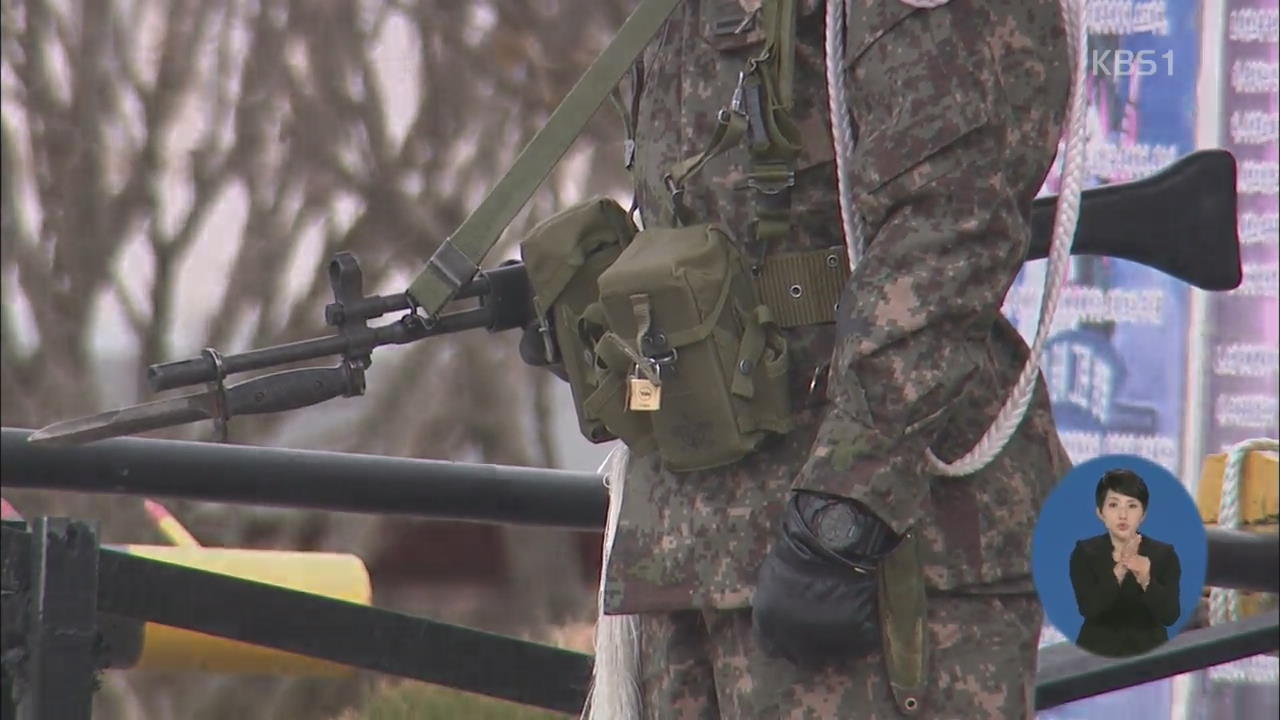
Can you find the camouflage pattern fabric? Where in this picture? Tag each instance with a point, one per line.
(703, 664)
(959, 111)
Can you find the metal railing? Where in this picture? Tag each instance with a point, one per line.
(61, 561)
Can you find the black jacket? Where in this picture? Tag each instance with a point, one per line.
(1121, 618)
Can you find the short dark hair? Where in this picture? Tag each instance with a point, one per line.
(1125, 482)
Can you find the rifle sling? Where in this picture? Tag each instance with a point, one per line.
(458, 258)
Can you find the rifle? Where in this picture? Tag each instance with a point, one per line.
(1181, 221)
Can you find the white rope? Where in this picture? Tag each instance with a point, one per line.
(842, 123)
(842, 130)
(1224, 603)
(1064, 225)
(1064, 229)
(615, 688)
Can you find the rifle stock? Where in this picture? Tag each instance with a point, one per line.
(1180, 221)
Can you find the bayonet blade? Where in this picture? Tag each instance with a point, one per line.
(127, 421)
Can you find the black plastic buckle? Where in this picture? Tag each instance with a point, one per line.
(773, 195)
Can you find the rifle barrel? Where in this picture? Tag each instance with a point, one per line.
(165, 376)
(179, 373)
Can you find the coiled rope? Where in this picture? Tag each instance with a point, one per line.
(1224, 603)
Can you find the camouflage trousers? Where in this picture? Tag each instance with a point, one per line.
(699, 664)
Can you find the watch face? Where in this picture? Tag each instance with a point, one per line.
(836, 524)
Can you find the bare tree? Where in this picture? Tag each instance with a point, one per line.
(177, 173)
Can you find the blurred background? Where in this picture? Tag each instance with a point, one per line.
(177, 173)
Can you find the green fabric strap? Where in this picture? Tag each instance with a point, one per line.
(615, 353)
(780, 39)
(680, 338)
(770, 75)
(457, 259)
(775, 70)
(775, 146)
(749, 353)
(730, 127)
(643, 312)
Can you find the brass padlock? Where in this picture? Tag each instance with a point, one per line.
(643, 395)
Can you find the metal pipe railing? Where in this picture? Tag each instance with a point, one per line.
(348, 482)
(344, 482)
(147, 590)
(1067, 673)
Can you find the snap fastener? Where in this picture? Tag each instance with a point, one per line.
(744, 367)
(796, 291)
(833, 260)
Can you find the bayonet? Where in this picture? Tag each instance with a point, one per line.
(287, 390)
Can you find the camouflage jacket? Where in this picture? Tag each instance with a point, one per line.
(959, 111)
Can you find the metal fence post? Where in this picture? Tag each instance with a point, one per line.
(58, 676)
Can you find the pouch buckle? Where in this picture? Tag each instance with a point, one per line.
(773, 190)
(665, 361)
(738, 103)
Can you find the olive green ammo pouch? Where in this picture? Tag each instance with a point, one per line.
(684, 321)
(565, 255)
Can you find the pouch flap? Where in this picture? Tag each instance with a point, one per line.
(559, 246)
(685, 274)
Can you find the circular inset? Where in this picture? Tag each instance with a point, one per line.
(1119, 556)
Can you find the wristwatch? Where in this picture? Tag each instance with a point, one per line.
(844, 526)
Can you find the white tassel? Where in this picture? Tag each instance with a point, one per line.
(615, 684)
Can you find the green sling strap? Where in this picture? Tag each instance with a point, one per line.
(458, 258)
(760, 112)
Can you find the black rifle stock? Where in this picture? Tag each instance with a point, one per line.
(1180, 221)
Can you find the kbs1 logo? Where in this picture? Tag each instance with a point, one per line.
(1126, 63)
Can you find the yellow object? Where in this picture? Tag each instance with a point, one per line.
(334, 575)
(169, 526)
(1259, 488)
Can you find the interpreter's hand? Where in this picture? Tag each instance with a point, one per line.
(1119, 570)
(1122, 557)
(1140, 566)
(816, 592)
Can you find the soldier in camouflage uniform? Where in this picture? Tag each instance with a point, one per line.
(959, 111)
